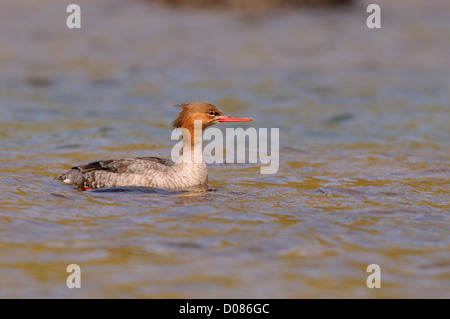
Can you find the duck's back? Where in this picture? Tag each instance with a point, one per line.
(142, 171)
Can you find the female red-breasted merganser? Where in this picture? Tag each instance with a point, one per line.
(153, 171)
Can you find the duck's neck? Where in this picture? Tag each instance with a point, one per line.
(192, 151)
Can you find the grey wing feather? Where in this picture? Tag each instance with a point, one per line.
(126, 165)
(119, 166)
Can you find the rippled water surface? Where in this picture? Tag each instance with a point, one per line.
(364, 151)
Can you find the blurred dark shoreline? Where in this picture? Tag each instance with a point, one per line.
(253, 4)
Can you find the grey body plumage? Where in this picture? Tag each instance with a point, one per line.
(144, 171)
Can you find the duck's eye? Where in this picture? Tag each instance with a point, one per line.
(212, 113)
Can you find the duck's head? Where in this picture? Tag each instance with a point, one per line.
(208, 113)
